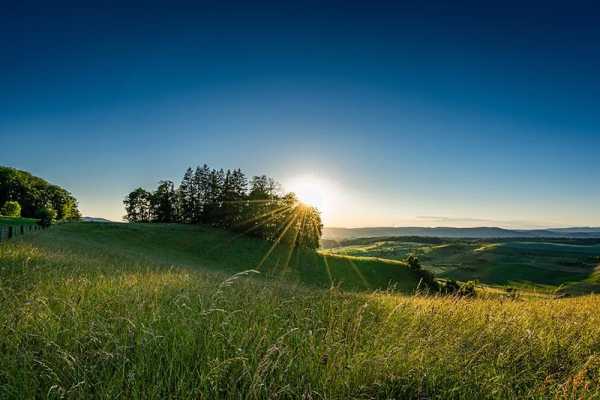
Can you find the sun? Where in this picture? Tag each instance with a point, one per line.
(311, 190)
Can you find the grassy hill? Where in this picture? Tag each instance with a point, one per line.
(195, 246)
(543, 265)
(114, 310)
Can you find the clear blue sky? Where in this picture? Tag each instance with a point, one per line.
(416, 114)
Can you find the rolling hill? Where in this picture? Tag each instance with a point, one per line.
(162, 311)
(566, 265)
(339, 234)
(218, 250)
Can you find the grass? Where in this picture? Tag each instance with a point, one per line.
(566, 267)
(28, 225)
(104, 311)
(195, 246)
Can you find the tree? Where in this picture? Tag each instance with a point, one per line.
(201, 189)
(185, 197)
(33, 193)
(11, 209)
(238, 197)
(213, 196)
(221, 198)
(413, 263)
(426, 278)
(138, 206)
(46, 216)
(310, 227)
(163, 203)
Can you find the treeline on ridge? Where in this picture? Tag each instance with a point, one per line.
(227, 199)
(36, 198)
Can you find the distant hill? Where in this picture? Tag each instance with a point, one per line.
(337, 234)
(95, 219)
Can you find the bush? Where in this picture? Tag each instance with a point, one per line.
(425, 277)
(11, 209)
(512, 293)
(413, 264)
(467, 289)
(452, 287)
(46, 216)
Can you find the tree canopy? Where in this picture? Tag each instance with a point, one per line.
(226, 199)
(34, 194)
(11, 209)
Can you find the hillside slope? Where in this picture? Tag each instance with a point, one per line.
(218, 250)
(124, 311)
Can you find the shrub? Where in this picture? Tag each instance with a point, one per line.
(426, 277)
(413, 264)
(467, 289)
(512, 293)
(46, 216)
(11, 209)
(452, 287)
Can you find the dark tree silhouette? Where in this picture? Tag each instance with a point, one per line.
(225, 199)
(164, 203)
(138, 206)
(185, 198)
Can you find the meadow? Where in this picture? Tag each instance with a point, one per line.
(563, 266)
(167, 311)
(16, 226)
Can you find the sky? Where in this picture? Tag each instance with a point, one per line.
(406, 114)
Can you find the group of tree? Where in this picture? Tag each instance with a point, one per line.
(22, 194)
(227, 199)
(448, 287)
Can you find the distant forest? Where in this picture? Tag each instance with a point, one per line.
(36, 197)
(227, 199)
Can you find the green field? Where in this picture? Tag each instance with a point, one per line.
(545, 266)
(155, 311)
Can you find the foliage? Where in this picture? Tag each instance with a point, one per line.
(34, 193)
(11, 209)
(461, 289)
(163, 202)
(426, 277)
(225, 199)
(46, 216)
(96, 312)
(138, 205)
(512, 293)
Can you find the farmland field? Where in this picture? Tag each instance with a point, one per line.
(162, 311)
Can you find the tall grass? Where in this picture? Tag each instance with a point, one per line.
(78, 319)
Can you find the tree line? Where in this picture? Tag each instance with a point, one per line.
(229, 200)
(32, 197)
